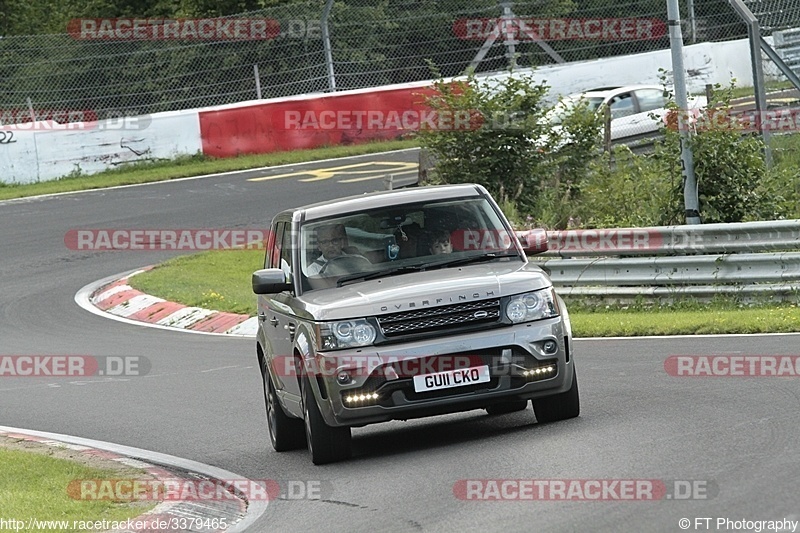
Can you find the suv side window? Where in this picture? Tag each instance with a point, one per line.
(285, 262)
(274, 246)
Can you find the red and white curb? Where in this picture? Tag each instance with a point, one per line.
(114, 298)
(238, 512)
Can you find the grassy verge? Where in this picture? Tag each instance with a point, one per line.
(770, 86)
(35, 486)
(213, 280)
(221, 280)
(715, 317)
(191, 166)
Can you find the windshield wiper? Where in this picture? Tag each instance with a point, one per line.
(472, 259)
(366, 276)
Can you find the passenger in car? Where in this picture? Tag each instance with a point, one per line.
(440, 242)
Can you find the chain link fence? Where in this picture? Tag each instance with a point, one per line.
(355, 44)
(775, 15)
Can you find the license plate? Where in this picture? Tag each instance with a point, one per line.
(451, 378)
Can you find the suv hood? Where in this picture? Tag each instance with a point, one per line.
(405, 292)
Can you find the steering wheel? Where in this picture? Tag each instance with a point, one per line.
(345, 264)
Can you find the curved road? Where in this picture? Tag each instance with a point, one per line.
(737, 438)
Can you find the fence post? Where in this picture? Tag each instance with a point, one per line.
(690, 194)
(507, 19)
(326, 43)
(258, 81)
(692, 20)
(754, 36)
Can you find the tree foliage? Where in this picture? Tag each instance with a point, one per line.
(510, 144)
(558, 177)
(729, 164)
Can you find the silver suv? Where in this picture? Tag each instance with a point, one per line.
(404, 304)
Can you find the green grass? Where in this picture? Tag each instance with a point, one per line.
(771, 86)
(192, 166)
(714, 319)
(217, 280)
(221, 280)
(34, 485)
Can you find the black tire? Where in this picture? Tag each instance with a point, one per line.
(326, 444)
(285, 433)
(507, 407)
(559, 406)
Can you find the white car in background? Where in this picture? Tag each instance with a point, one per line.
(633, 107)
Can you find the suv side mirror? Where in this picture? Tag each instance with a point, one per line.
(270, 281)
(534, 241)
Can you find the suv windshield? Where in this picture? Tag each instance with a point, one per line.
(403, 238)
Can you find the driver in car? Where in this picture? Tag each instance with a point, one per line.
(331, 240)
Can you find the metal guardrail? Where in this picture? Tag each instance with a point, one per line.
(677, 240)
(754, 258)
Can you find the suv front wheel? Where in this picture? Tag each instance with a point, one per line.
(285, 433)
(325, 443)
(559, 406)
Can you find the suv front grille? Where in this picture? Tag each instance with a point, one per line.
(435, 318)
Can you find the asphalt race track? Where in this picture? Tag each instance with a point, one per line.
(735, 439)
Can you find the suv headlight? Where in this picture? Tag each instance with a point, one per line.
(532, 306)
(346, 334)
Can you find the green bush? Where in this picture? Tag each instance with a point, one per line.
(729, 166)
(557, 177)
(629, 191)
(510, 146)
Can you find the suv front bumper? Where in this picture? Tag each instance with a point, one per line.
(514, 355)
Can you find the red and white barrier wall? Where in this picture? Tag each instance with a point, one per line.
(313, 121)
(43, 152)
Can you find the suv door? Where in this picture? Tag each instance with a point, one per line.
(277, 320)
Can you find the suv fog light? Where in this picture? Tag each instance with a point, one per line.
(344, 378)
(541, 372)
(550, 347)
(360, 398)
